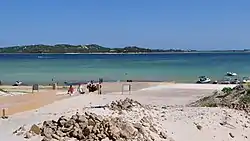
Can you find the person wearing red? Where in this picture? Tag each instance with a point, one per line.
(70, 90)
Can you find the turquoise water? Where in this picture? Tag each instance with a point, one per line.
(185, 67)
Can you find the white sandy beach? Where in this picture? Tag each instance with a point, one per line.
(169, 111)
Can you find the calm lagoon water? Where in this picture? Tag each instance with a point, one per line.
(180, 67)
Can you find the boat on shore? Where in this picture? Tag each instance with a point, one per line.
(18, 83)
(203, 80)
(226, 80)
(235, 81)
(245, 80)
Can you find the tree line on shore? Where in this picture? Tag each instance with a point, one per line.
(91, 48)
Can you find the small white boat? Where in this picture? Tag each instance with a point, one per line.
(231, 74)
(235, 81)
(226, 80)
(204, 79)
(19, 83)
(245, 80)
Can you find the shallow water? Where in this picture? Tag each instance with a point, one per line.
(181, 67)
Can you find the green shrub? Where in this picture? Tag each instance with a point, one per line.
(209, 105)
(248, 91)
(227, 90)
(1, 90)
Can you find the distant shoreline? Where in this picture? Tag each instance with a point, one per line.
(98, 49)
(207, 52)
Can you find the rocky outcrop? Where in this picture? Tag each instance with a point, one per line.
(126, 104)
(92, 127)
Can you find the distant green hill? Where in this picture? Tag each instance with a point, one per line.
(92, 48)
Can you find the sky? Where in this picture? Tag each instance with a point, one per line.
(183, 24)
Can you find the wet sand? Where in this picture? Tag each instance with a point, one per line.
(29, 101)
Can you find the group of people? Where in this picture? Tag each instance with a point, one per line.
(79, 89)
(91, 87)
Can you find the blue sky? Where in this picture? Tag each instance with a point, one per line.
(186, 24)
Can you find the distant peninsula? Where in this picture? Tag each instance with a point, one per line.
(94, 48)
(91, 48)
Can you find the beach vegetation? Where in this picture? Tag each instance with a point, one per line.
(2, 90)
(246, 97)
(227, 90)
(210, 104)
(248, 85)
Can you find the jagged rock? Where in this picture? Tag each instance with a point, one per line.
(163, 135)
(28, 135)
(74, 117)
(76, 125)
(128, 131)
(46, 139)
(48, 123)
(34, 128)
(20, 131)
(101, 136)
(231, 135)
(146, 124)
(60, 133)
(95, 129)
(153, 129)
(64, 129)
(69, 123)
(91, 127)
(140, 128)
(55, 136)
(91, 122)
(114, 132)
(62, 120)
(47, 132)
(145, 120)
(199, 127)
(87, 130)
(87, 114)
(99, 118)
(106, 139)
(126, 104)
(74, 133)
(83, 125)
(82, 118)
